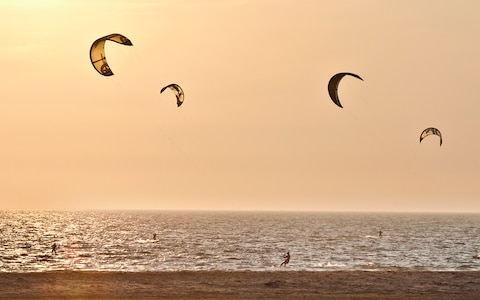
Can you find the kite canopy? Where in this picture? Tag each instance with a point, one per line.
(333, 86)
(97, 52)
(430, 131)
(177, 90)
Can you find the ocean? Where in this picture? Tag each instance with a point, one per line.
(236, 241)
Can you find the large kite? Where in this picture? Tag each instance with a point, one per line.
(97, 52)
(333, 86)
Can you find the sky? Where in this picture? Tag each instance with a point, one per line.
(257, 129)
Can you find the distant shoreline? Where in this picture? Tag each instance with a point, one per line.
(243, 285)
(247, 211)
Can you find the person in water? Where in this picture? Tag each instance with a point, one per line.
(54, 248)
(287, 259)
(380, 233)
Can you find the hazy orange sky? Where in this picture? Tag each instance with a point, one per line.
(257, 130)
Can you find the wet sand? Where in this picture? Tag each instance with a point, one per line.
(241, 285)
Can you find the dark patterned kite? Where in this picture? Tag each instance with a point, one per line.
(177, 90)
(430, 131)
(333, 86)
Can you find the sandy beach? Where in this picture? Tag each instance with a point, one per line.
(241, 285)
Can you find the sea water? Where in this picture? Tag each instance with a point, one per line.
(257, 241)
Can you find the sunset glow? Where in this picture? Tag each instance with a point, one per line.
(257, 129)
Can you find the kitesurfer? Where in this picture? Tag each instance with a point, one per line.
(287, 259)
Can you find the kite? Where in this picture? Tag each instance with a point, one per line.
(177, 90)
(430, 131)
(333, 86)
(97, 52)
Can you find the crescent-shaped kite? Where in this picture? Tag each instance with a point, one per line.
(97, 52)
(333, 86)
(177, 90)
(430, 131)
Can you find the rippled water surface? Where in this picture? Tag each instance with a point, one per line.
(123, 241)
